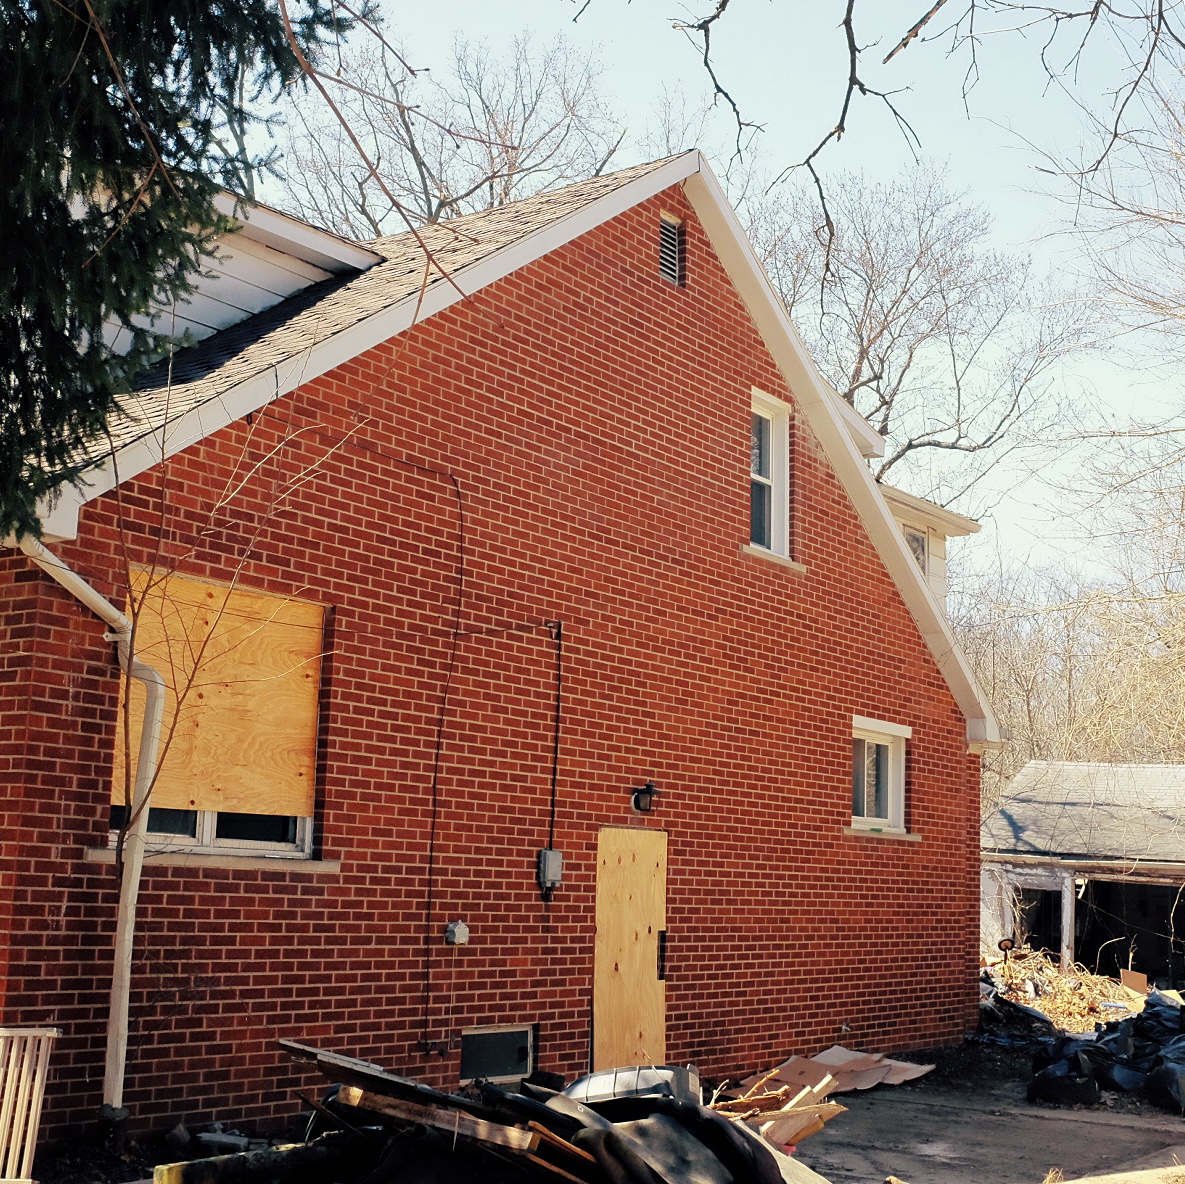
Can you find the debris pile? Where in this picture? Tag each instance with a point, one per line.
(1073, 999)
(635, 1126)
(1098, 1033)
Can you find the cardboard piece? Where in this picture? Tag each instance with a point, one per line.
(1134, 980)
(903, 1071)
(795, 1071)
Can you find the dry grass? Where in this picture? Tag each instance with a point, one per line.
(1071, 998)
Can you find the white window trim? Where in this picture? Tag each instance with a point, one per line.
(893, 736)
(206, 842)
(778, 413)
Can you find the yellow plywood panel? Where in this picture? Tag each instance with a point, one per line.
(243, 671)
(629, 999)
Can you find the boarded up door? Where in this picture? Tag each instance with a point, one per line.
(629, 997)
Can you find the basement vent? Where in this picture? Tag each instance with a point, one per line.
(501, 1053)
(672, 250)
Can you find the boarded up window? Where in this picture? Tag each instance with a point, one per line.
(243, 671)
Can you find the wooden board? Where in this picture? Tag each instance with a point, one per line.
(245, 668)
(453, 1122)
(629, 999)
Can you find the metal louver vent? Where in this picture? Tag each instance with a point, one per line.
(671, 251)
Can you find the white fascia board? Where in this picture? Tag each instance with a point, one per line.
(291, 236)
(322, 356)
(928, 513)
(867, 439)
(818, 404)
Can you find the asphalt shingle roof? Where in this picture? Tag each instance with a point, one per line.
(1092, 811)
(234, 355)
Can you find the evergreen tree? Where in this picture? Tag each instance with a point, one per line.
(111, 153)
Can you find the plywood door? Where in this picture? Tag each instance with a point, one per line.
(629, 998)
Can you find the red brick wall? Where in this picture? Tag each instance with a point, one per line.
(596, 419)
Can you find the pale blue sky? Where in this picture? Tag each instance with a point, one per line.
(785, 64)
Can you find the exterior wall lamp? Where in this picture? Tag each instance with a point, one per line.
(643, 799)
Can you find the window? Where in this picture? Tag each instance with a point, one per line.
(672, 250)
(243, 675)
(878, 773)
(769, 485)
(915, 539)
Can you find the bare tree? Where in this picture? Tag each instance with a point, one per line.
(1090, 666)
(949, 348)
(493, 131)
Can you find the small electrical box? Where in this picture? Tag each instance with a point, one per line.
(550, 870)
(456, 933)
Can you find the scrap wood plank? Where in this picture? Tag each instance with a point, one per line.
(794, 1125)
(441, 1118)
(375, 1079)
(555, 1169)
(777, 1099)
(551, 1137)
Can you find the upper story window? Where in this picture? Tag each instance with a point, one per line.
(238, 758)
(769, 475)
(672, 250)
(916, 540)
(878, 773)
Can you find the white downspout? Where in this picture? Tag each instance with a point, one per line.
(133, 852)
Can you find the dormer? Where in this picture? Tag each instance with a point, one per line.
(267, 258)
(926, 526)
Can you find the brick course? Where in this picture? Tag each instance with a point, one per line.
(595, 419)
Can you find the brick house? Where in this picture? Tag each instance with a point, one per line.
(439, 565)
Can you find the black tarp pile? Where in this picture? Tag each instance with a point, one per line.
(1144, 1052)
(642, 1126)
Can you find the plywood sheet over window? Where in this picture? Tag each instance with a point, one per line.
(243, 671)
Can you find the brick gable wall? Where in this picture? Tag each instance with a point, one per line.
(595, 419)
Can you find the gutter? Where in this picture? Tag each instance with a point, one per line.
(121, 631)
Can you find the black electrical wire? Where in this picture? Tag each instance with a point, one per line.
(455, 641)
(556, 628)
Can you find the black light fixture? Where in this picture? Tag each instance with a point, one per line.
(643, 799)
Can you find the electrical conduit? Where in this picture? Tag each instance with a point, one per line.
(133, 852)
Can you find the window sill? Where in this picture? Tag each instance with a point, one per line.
(300, 864)
(883, 832)
(781, 560)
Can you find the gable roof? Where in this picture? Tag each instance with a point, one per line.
(1092, 811)
(247, 366)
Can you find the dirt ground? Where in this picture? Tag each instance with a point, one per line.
(968, 1123)
(965, 1123)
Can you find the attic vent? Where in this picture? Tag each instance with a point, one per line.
(671, 250)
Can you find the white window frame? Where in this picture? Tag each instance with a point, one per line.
(920, 532)
(206, 841)
(778, 414)
(893, 737)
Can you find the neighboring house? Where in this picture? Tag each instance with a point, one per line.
(1088, 861)
(446, 568)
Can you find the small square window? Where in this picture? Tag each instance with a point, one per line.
(878, 773)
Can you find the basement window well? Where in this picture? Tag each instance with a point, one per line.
(502, 1052)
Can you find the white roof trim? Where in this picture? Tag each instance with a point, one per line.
(928, 513)
(293, 237)
(866, 438)
(323, 356)
(817, 401)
